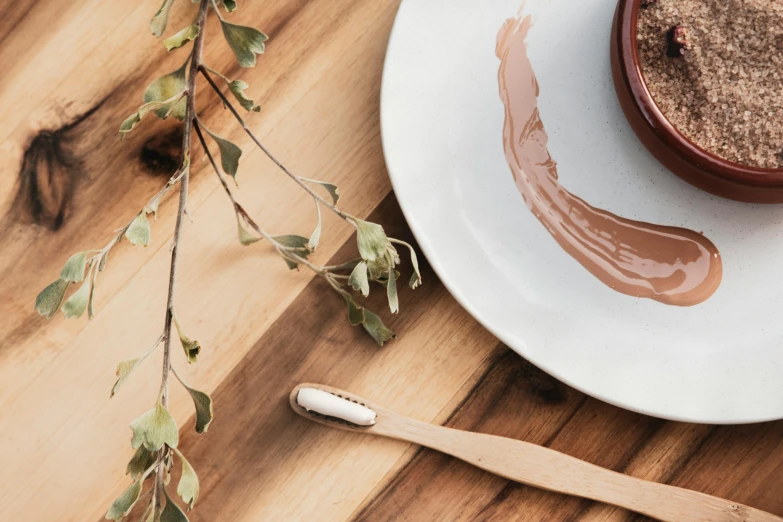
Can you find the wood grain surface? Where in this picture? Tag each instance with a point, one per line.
(72, 71)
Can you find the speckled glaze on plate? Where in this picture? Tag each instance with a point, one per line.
(442, 123)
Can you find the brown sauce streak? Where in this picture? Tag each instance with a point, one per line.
(672, 265)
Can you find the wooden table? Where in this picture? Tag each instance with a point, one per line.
(71, 72)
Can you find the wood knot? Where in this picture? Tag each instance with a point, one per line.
(47, 179)
(160, 155)
(48, 175)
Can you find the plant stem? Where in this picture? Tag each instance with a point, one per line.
(190, 115)
(240, 211)
(348, 265)
(297, 179)
(197, 128)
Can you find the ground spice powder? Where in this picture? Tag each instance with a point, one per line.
(724, 91)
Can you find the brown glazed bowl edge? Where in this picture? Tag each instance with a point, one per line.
(676, 152)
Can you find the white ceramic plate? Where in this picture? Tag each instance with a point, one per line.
(720, 361)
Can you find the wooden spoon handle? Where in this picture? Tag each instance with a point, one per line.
(548, 469)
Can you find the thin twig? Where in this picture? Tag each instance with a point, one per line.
(190, 115)
(197, 128)
(348, 265)
(217, 11)
(347, 217)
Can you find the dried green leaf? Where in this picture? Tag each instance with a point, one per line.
(315, 237)
(165, 108)
(359, 280)
(375, 327)
(129, 123)
(152, 207)
(125, 502)
(104, 259)
(372, 242)
(415, 280)
(139, 232)
(355, 312)
(294, 242)
(155, 428)
(50, 298)
(164, 89)
(246, 42)
(229, 154)
(182, 37)
(203, 404)
(384, 280)
(124, 370)
(245, 237)
(167, 464)
(391, 292)
(191, 347)
(161, 19)
(188, 487)
(230, 5)
(370, 321)
(90, 312)
(172, 512)
(331, 189)
(237, 88)
(140, 462)
(77, 303)
(73, 271)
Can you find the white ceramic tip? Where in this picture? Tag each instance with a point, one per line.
(330, 405)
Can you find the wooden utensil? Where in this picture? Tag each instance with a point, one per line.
(535, 465)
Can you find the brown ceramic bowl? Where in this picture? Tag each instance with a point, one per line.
(677, 153)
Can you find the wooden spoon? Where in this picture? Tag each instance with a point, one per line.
(538, 466)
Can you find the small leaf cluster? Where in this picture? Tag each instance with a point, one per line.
(155, 439)
(166, 96)
(377, 263)
(78, 269)
(83, 267)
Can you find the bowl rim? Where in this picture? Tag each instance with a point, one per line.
(628, 14)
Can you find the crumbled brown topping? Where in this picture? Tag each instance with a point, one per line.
(725, 92)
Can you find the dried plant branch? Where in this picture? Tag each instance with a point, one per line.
(155, 433)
